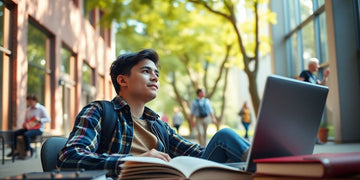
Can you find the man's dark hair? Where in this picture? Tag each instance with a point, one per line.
(32, 97)
(198, 91)
(124, 63)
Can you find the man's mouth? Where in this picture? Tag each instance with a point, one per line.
(154, 86)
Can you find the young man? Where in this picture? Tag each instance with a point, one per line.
(202, 110)
(138, 130)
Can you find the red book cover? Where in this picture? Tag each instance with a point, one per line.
(313, 165)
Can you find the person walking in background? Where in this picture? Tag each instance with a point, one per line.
(245, 118)
(35, 118)
(177, 119)
(202, 110)
(309, 76)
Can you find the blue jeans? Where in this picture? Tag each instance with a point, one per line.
(226, 146)
(246, 126)
(27, 134)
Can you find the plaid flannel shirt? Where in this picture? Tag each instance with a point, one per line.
(83, 142)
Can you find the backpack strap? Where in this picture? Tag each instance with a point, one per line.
(108, 122)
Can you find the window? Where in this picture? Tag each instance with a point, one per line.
(87, 74)
(306, 9)
(305, 24)
(100, 85)
(37, 62)
(67, 82)
(308, 42)
(89, 13)
(88, 88)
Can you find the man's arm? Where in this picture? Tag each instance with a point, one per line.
(80, 150)
(326, 74)
(44, 118)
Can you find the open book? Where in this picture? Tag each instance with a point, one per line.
(181, 167)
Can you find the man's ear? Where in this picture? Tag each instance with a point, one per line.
(122, 80)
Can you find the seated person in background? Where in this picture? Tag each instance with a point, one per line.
(309, 74)
(138, 130)
(37, 111)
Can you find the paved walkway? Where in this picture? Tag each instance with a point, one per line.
(34, 164)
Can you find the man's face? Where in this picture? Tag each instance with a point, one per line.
(143, 81)
(31, 103)
(201, 94)
(314, 67)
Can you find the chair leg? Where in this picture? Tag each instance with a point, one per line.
(3, 150)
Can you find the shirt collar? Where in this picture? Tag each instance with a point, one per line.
(120, 103)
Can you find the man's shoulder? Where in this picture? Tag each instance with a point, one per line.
(305, 72)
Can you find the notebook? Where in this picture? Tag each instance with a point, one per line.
(288, 120)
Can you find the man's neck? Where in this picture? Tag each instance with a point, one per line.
(136, 107)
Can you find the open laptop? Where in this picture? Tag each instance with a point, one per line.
(288, 120)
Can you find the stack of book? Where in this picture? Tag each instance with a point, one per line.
(322, 165)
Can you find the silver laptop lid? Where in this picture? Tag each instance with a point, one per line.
(288, 119)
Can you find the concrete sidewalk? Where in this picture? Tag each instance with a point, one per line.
(34, 164)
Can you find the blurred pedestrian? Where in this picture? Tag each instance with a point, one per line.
(202, 110)
(177, 119)
(165, 118)
(245, 118)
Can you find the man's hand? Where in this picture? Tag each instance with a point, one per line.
(326, 73)
(157, 154)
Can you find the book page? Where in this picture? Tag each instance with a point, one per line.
(185, 164)
(188, 165)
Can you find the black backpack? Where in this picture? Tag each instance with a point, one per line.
(203, 109)
(109, 118)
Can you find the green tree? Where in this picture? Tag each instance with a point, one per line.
(190, 57)
(196, 46)
(248, 35)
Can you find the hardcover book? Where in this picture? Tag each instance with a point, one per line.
(313, 165)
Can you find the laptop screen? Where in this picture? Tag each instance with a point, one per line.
(288, 119)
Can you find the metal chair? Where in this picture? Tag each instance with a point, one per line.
(7, 137)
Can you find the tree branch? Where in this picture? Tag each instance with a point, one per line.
(221, 70)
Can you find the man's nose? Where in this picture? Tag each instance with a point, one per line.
(154, 77)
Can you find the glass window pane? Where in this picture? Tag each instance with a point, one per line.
(306, 7)
(292, 15)
(65, 60)
(86, 74)
(323, 38)
(295, 52)
(321, 2)
(36, 50)
(36, 54)
(308, 39)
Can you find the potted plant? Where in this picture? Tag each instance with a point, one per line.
(323, 132)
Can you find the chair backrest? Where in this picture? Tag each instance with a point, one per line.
(49, 152)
